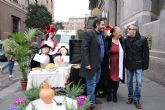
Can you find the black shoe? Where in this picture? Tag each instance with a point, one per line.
(101, 95)
(137, 104)
(115, 98)
(109, 98)
(130, 100)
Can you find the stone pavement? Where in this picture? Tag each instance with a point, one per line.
(153, 95)
(9, 89)
(9, 94)
(4, 78)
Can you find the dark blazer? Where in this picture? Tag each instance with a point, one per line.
(108, 44)
(90, 51)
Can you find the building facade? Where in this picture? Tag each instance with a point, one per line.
(75, 23)
(13, 15)
(149, 15)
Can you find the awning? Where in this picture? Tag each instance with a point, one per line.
(93, 4)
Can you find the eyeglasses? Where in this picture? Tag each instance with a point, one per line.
(131, 29)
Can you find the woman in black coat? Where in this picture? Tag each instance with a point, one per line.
(114, 62)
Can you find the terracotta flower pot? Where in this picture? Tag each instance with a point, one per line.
(23, 84)
(46, 93)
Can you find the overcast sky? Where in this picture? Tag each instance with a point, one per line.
(70, 8)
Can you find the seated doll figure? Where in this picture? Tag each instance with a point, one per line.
(62, 59)
(43, 58)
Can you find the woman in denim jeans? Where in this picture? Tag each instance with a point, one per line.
(10, 64)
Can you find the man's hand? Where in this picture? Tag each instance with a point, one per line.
(88, 67)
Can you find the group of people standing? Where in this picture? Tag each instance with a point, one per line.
(108, 56)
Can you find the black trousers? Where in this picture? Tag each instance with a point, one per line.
(112, 87)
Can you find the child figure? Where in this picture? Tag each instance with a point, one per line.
(62, 59)
(43, 58)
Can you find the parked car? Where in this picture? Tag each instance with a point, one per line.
(3, 58)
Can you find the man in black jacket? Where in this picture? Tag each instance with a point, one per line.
(92, 50)
(137, 60)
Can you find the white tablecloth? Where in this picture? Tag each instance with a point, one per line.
(39, 104)
(56, 78)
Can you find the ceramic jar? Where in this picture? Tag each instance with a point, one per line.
(46, 93)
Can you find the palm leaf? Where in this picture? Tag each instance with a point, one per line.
(17, 37)
(30, 33)
(9, 44)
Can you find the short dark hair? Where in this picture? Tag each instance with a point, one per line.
(96, 22)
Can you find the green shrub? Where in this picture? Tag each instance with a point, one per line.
(32, 94)
(73, 90)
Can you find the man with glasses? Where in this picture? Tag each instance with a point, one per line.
(137, 60)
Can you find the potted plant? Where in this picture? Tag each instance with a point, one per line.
(21, 43)
(73, 90)
(32, 94)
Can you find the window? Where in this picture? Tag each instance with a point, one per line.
(15, 24)
(51, 4)
(64, 38)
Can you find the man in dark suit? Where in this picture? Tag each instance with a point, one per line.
(92, 49)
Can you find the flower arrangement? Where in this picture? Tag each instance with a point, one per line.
(13, 108)
(21, 102)
(83, 102)
(71, 91)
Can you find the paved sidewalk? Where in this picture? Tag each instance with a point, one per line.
(153, 94)
(4, 78)
(9, 94)
(153, 97)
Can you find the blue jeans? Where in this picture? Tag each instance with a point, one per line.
(137, 93)
(10, 64)
(91, 85)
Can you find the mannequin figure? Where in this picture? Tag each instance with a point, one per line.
(43, 58)
(62, 59)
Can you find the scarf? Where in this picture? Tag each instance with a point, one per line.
(121, 57)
